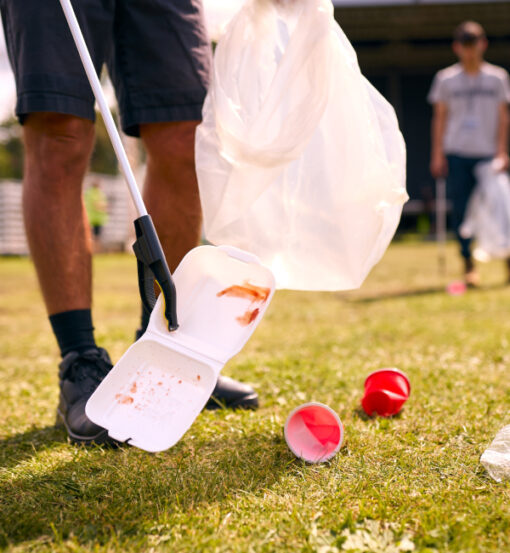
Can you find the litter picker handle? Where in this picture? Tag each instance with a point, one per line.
(90, 70)
(152, 264)
(441, 214)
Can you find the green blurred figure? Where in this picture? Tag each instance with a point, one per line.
(97, 211)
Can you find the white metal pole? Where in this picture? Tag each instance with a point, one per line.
(441, 209)
(103, 106)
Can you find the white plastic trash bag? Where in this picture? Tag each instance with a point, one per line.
(299, 159)
(496, 458)
(487, 216)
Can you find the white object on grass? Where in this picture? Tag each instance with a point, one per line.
(299, 159)
(159, 386)
(496, 458)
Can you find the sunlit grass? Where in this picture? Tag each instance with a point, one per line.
(231, 484)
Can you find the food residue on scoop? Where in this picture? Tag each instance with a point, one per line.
(123, 399)
(248, 317)
(257, 294)
(246, 290)
(133, 388)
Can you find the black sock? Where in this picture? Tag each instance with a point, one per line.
(73, 330)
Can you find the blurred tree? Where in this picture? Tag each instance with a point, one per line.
(11, 150)
(103, 158)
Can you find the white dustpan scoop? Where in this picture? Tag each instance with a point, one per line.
(159, 386)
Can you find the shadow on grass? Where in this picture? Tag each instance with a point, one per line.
(360, 413)
(107, 494)
(433, 290)
(23, 446)
(395, 294)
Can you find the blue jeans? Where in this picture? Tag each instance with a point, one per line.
(460, 184)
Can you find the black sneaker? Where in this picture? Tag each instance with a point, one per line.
(232, 394)
(80, 374)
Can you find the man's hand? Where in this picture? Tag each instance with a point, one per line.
(501, 162)
(439, 165)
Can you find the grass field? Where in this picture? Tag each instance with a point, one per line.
(413, 482)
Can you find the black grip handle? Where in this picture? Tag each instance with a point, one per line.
(152, 267)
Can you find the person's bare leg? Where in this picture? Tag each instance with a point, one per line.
(57, 152)
(172, 199)
(171, 189)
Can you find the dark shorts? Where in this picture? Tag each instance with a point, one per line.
(157, 52)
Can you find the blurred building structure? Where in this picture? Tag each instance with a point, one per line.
(117, 234)
(400, 46)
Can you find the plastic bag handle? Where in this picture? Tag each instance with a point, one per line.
(245, 138)
(242, 255)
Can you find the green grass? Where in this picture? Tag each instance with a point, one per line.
(231, 484)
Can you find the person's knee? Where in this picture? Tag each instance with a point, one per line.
(170, 144)
(57, 144)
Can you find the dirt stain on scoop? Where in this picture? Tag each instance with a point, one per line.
(256, 294)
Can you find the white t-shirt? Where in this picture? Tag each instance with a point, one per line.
(473, 103)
